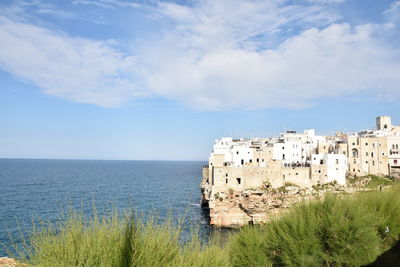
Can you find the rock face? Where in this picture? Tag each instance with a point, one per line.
(254, 206)
(7, 262)
(235, 209)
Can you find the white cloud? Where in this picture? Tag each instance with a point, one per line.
(215, 54)
(214, 59)
(393, 13)
(77, 69)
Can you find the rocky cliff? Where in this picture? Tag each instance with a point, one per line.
(237, 208)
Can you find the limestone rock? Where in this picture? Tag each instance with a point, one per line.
(7, 262)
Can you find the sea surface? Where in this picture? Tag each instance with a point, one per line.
(36, 188)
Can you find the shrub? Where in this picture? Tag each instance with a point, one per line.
(116, 240)
(337, 231)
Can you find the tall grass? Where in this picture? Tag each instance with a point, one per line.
(341, 230)
(119, 240)
(337, 231)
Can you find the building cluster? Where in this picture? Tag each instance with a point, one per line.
(304, 159)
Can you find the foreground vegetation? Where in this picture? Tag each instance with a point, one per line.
(341, 230)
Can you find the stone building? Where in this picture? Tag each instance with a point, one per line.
(301, 159)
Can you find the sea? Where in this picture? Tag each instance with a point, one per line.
(41, 190)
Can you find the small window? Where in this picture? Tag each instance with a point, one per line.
(395, 161)
(354, 144)
(238, 180)
(226, 181)
(366, 144)
(319, 171)
(237, 152)
(250, 160)
(337, 161)
(321, 161)
(226, 175)
(258, 160)
(354, 170)
(283, 156)
(373, 163)
(366, 162)
(366, 153)
(355, 161)
(372, 154)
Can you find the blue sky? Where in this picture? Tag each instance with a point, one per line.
(160, 80)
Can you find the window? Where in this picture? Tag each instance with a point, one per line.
(372, 154)
(283, 156)
(321, 161)
(242, 161)
(319, 171)
(354, 170)
(237, 152)
(354, 144)
(354, 153)
(366, 153)
(373, 163)
(238, 180)
(366, 144)
(226, 175)
(373, 145)
(355, 161)
(226, 181)
(250, 160)
(258, 160)
(337, 161)
(395, 161)
(366, 161)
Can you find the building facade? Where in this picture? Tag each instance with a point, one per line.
(303, 159)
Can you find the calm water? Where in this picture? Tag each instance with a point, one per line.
(42, 188)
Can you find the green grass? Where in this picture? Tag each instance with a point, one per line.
(337, 231)
(119, 240)
(375, 182)
(341, 230)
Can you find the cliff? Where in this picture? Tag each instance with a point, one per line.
(234, 209)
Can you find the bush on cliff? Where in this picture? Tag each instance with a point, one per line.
(337, 231)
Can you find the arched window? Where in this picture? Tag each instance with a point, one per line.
(354, 153)
(397, 146)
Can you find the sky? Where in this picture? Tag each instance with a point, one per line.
(161, 80)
